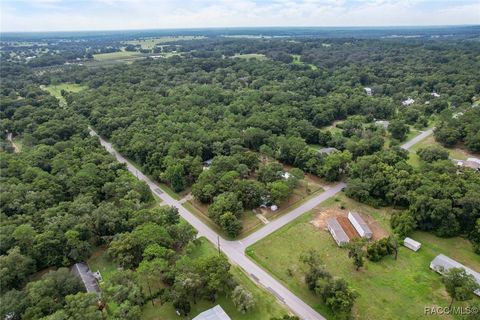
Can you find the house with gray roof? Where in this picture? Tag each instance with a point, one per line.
(442, 263)
(82, 271)
(360, 225)
(215, 313)
(328, 150)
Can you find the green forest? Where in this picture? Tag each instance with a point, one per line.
(224, 129)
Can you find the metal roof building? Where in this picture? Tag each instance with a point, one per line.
(360, 225)
(82, 270)
(327, 150)
(337, 231)
(442, 263)
(411, 244)
(216, 313)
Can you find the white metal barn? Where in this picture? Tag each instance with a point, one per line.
(442, 263)
(337, 232)
(411, 244)
(360, 225)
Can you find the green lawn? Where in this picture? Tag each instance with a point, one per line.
(56, 90)
(386, 288)
(296, 60)
(152, 42)
(119, 55)
(247, 56)
(100, 261)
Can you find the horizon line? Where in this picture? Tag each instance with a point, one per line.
(244, 27)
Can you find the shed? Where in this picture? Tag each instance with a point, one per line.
(360, 225)
(337, 232)
(408, 102)
(215, 313)
(368, 91)
(411, 244)
(327, 150)
(82, 271)
(442, 263)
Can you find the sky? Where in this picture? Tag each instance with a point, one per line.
(73, 15)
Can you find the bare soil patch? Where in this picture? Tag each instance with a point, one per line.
(320, 221)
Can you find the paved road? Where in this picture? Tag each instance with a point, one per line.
(235, 250)
(407, 145)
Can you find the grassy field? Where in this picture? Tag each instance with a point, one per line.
(120, 55)
(150, 43)
(296, 60)
(247, 56)
(385, 287)
(56, 90)
(458, 152)
(266, 304)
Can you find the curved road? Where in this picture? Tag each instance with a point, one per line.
(235, 250)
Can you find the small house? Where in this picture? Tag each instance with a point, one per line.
(435, 95)
(408, 102)
(337, 232)
(215, 313)
(328, 150)
(360, 225)
(412, 244)
(89, 281)
(442, 263)
(368, 91)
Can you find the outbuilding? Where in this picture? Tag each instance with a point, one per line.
(408, 102)
(360, 225)
(337, 232)
(442, 264)
(328, 150)
(215, 313)
(89, 281)
(368, 91)
(412, 244)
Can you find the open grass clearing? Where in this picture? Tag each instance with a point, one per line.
(297, 61)
(119, 55)
(385, 287)
(150, 43)
(56, 90)
(248, 56)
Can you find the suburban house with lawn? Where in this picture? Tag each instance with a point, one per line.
(411, 244)
(360, 225)
(215, 313)
(442, 263)
(88, 278)
(337, 232)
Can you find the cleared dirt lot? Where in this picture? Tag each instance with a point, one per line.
(320, 221)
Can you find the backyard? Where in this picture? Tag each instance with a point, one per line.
(415, 284)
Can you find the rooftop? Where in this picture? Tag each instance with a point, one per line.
(215, 313)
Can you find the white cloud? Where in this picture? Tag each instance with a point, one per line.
(143, 14)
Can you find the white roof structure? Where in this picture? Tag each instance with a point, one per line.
(368, 91)
(434, 94)
(82, 270)
(360, 225)
(327, 150)
(408, 102)
(337, 232)
(442, 263)
(412, 244)
(215, 313)
(382, 123)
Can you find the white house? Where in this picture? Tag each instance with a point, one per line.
(360, 225)
(368, 91)
(337, 232)
(411, 244)
(442, 263)
(408, 102)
